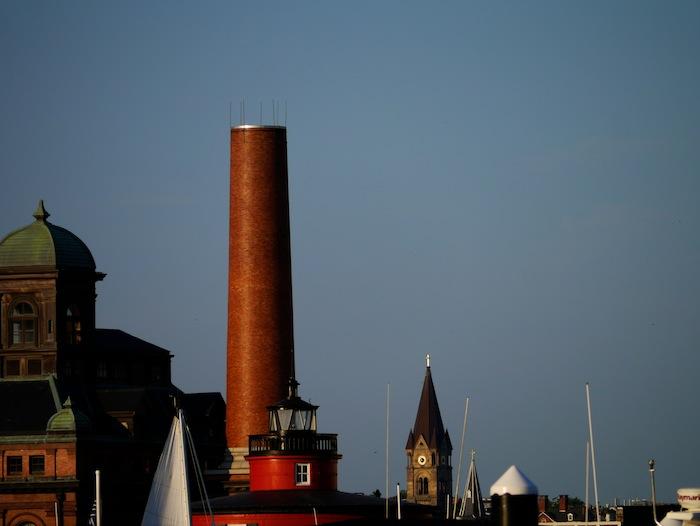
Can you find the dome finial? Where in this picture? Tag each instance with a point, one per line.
(40, 213)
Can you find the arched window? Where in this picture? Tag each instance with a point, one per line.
(422, 485)
(23, 321)
(73, 325)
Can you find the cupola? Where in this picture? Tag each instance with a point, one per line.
(43, 244)
(292, 413)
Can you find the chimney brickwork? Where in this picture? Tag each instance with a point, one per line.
(260, 325)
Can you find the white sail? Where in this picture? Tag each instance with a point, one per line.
(169, 501)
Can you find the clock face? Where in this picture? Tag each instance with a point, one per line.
(421, 460)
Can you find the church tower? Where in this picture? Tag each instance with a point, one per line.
(428, 451)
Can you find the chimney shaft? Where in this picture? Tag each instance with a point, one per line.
(260, 327)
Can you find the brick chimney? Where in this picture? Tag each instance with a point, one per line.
(260, 329)
(563, 503)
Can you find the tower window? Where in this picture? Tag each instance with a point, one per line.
(422, 485)
(302, 477)
(36, 464)
(14, 465)
(73, 326)
(23, 322)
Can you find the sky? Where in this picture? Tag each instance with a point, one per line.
(511, 187)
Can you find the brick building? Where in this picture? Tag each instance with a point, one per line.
(75, 398)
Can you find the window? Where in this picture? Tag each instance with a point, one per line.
(102, 369)
(302, 474)
(73, 325)
(422, 485)
(34, 366)
(14, 465)
(23, 321)
(36, 464)
(11, 367)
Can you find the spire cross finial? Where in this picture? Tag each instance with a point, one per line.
(427, 360)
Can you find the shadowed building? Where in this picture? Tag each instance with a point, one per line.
(429, 451)
(76, 398)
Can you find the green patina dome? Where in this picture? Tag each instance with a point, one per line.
(42, 244)
(68, 420)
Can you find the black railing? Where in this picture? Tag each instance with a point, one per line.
(293, 443)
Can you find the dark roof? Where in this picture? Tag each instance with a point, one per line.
(202, 404)
(43, 244)
(116, 341)
(428, 420)
(153, 408)
(286, 501)
(27, 406)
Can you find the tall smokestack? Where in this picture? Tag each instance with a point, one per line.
(260, 329)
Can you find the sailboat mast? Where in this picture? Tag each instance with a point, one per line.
(185, 481)
(98, 499)
(590, 433)
(588, 461)
(386, 481)
(461, 451)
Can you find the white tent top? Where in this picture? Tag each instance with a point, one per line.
(514, 482)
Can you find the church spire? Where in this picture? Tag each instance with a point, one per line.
(429, 450)
(428, 419)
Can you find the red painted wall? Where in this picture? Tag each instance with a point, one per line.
(272, 472)
(272, 519)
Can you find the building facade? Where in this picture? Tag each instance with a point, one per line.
(77, 398)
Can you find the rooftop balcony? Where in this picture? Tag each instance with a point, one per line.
(293, 443)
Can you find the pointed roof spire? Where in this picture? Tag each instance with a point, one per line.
(428, 419)
(472, 500)
(40, 213)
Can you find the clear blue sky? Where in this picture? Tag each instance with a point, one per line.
(512, 187)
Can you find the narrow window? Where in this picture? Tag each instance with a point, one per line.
(50, 326)
(14, 465)
(73, 327)
(102, 369)
(36, 464)
(302, 474)
(23, 321)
